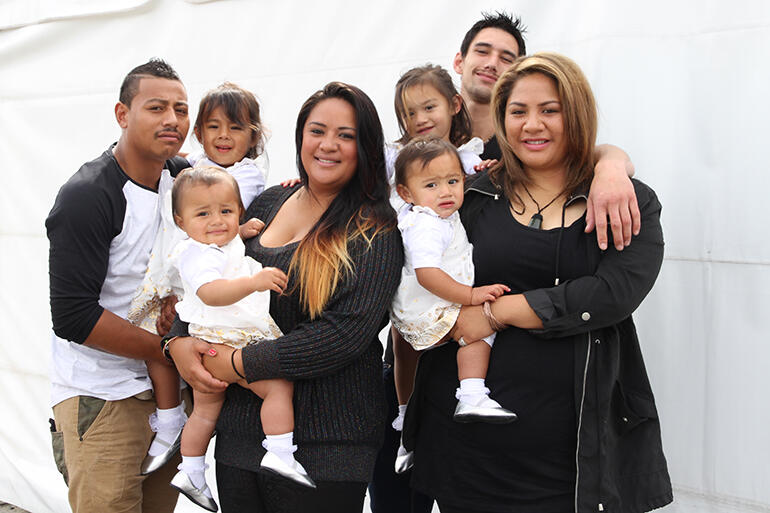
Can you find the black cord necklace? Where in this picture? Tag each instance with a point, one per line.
(536, 221)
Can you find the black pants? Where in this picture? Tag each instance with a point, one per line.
(242, 491)
(390, 492)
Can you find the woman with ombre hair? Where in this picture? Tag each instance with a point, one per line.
(566, 358)
(334, 236)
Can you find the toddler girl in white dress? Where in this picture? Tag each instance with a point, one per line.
(226, 302)
(438, 277)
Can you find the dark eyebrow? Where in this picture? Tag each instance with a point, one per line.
(539, 104)
(490, 47)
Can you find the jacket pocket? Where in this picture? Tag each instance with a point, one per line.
(631, 409)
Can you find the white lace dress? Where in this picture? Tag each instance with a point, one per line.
(421, 317)
(244, 322)
(161, 279)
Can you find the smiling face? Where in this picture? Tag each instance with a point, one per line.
(429, 113)
(329, 153)
(224, 140)
(209, 214)
(490, 53)
(437, 185)
(534, 125)
(156, 123)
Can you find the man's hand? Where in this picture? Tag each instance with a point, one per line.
(187, 353)
(251, 228)
(612, 197)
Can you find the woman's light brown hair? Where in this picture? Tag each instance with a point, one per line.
(578, 112)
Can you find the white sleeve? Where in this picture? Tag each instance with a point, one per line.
(469, 154)
(391, 152)
(199, 264)
(251, 175)
(425, 237)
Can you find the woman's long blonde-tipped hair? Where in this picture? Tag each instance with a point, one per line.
(360, 211)
(322, 260)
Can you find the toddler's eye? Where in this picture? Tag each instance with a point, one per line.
(430, 185)
(453, 181)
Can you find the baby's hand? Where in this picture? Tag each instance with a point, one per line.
(251, 228)
(291, 182)
(270, 278)
(485, 164)
(487, 293)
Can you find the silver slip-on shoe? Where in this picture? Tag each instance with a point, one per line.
(153, 463)
(404, 460)
(272, 463)
(488, 411)
(182, 482)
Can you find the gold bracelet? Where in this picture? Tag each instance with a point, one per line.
(496, 325)
(165, 349)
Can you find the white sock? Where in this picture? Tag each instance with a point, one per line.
(398, 422)
(167, 425)
(282, 445)
(195, 468)
(472, 391)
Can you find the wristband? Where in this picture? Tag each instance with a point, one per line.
(496, 325)
(165, 346)
(232, 361)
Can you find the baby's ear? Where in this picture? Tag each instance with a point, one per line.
(404, 193)
(178, 221)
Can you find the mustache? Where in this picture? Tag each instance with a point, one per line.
(168, 131)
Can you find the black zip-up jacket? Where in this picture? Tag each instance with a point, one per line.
(620, 461)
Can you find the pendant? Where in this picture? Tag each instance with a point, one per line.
(536, 221)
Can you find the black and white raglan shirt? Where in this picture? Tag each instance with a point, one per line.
(101, 230)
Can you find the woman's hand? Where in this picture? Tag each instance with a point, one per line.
(187, 353)
(471, 325)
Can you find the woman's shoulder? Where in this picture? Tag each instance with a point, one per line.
(270, 197)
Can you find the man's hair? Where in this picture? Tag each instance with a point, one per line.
(155, 67)
(499, 20)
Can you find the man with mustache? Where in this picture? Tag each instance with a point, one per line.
(101, 230)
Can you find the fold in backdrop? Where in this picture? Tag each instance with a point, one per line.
(681, 85)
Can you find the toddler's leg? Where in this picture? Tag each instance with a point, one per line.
(404, 368)
(473, 401)
(277, 414)
(191, 478)
(168, 419)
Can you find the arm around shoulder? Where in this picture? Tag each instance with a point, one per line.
(620, 282)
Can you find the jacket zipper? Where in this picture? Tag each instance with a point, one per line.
(580, 421)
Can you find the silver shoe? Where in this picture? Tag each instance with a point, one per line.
(296, 472)
(488, 411)
(404, 461)
(182, 482)
(153, 463)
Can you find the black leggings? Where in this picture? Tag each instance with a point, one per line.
(243, 491)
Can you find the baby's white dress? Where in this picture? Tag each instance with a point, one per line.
(421, 317)
(161, 279)
(244, 322)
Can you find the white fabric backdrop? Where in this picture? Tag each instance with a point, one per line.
(681, 87)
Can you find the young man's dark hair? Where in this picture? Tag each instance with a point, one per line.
(499, 20)
(153, 68)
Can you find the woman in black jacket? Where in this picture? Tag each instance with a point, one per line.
(567, 359)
